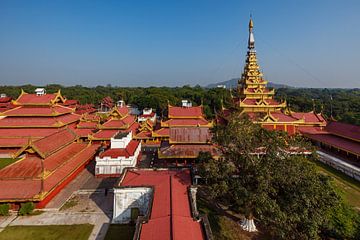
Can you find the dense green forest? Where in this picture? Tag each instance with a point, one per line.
(342, 104)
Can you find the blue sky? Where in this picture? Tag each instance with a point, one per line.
(308, 43)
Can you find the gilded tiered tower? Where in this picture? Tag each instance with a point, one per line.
(255, 97)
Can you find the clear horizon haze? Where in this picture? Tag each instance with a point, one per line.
(300, 43)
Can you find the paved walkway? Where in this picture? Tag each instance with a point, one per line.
(5, 221)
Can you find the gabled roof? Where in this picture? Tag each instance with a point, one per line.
(185, 112)
(309, 117)
(119, 112)
(121, 152)
(33, 99)
(122, 123)
(25, 181)
(50, 144)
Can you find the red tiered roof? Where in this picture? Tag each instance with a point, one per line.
(119, 124)
(250, 101)
(38, 111)
(22, 180)
(5, 99)
(185, 112)
(119, 152)
(170, 216)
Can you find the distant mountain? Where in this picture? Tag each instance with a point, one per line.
(232, 83)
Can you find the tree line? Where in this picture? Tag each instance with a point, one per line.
(340, 104)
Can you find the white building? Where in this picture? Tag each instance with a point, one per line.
(147, 114)
(40, 91)
(123, 152)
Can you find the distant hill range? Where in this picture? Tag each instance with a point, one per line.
(232, 83)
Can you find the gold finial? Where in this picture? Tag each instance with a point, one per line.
(251, 24)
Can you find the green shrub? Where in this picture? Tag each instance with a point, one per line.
(26, 208)
(344, 223)
(4, 209)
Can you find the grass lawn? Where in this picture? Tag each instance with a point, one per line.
(49, 232)
(69, 204)
(347, 185)
(6, 161)
(120, 231)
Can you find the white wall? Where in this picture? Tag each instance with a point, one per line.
(127, 198)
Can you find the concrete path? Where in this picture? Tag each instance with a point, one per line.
(5, 221)
(65, 194)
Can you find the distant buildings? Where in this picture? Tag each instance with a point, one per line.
(185, 134)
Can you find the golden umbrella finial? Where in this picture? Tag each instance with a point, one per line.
(251, 23)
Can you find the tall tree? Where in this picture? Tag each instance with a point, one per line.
(261, 178)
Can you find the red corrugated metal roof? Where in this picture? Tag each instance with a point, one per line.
(190, 134)
(308, 116)
(337, 142)
(83, 132)
(57, 121)
(28, 99)
(344, 130)
(38, 111)
(13, 142)
(170, 202)
(91, 125)
(54, 142)
(186, 151)
(185, 112)
(106, 133)
(27, 132)
(121, 152)
(29, 167)
(21, 180)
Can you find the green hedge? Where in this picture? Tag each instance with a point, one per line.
(26, 208)
(4, 209)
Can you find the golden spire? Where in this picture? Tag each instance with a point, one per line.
(251, 42)
(251, 24)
